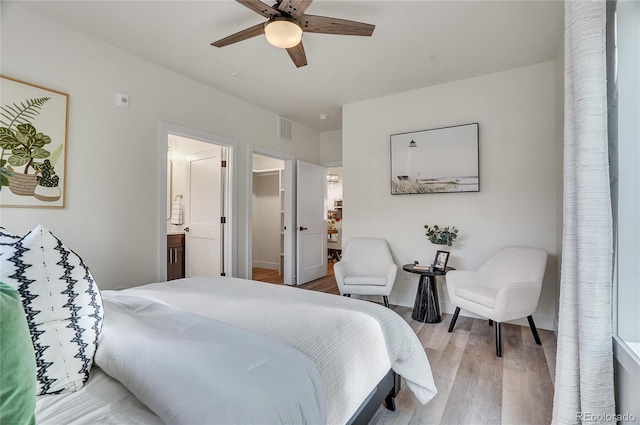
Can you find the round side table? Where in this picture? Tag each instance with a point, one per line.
(426, 307)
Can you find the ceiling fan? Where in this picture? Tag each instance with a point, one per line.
(286, 23)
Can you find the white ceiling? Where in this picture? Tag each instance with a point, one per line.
(415, 44)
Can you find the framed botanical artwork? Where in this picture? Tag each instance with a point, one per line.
(33, 145)
(435, 161)
(440, 261)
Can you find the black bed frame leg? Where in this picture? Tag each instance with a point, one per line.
(390, 400)
(390, 403)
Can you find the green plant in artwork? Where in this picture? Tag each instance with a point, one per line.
(20, 140)
(47, 177)
(26, 145)
(5, 173)
(441, 236)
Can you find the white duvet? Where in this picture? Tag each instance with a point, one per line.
(353, 343)
(189, 369)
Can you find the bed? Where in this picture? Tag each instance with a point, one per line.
(234, 351)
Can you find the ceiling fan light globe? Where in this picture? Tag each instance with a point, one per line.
(283, 33)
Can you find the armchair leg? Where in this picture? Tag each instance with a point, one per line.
(534, 330)
(386, 301)
(453, 320)
(346, 295)
(498, 340)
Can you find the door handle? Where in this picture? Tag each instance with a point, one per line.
(186, 229)
(303, 228)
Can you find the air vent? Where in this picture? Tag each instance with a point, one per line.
(285, 129)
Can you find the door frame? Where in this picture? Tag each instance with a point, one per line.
(229, 197)
(289, 203)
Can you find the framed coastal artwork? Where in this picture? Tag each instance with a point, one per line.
(440, 160)
(33, 145)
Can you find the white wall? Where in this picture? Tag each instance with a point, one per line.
(266, 220)
(111, 217)
(267, 163)
(559, 76)
(331, 147)
(517, 202)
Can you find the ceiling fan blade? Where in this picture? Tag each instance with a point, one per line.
(297, 55)
(240, 35)
(295, 8)
(327, 25)
(260, 7)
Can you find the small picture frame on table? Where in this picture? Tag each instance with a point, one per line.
(440, 260)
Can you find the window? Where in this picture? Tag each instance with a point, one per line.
(625, 165)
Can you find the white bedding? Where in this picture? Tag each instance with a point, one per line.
(102, 400)
(352, 342)
(190, 369)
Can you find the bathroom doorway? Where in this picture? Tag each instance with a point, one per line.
(197, 220)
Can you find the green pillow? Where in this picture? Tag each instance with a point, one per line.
(17, 362)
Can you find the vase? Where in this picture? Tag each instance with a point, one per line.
(22, 184)
(47, 194)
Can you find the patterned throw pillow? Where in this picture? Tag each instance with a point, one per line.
(7, 239)
(63, 307)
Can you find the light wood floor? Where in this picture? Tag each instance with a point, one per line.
(325, 284)
(474, 386)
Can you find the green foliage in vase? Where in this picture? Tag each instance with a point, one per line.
(441, 236)
(48, 177)
(20, 137)
(26, 145)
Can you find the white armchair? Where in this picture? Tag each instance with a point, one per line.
(506, 287)
(366, 268)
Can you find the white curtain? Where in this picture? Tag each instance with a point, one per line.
(584, 391)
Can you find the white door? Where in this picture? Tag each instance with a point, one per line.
(312, 222)
(203, 211)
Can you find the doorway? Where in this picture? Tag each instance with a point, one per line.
(334, 213)
(268, 219)
(270, 244)
(196, 227)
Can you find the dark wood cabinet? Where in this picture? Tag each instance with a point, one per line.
(175, 256)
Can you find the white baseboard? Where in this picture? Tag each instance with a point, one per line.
(265, 265)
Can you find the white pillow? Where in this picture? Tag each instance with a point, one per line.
(63, 307)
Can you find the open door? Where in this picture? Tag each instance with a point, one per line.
(311, 222)
(203, 214)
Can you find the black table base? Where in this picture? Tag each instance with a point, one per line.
(427, 307)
